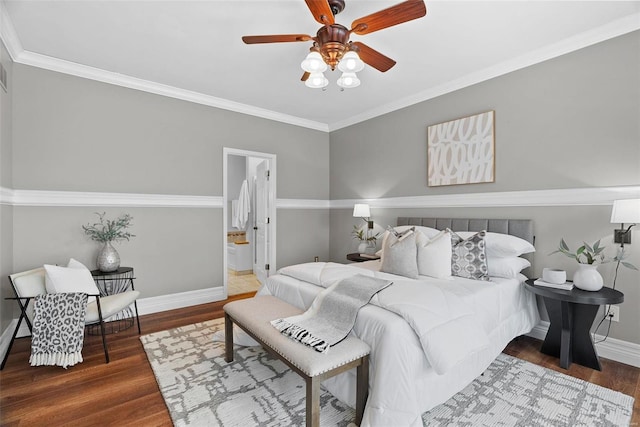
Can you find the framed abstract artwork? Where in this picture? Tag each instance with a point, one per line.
(461, 151)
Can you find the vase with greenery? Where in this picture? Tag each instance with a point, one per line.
(107, 231)
(589, 257)
(367, 240)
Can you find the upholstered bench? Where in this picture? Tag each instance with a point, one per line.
(254, 315)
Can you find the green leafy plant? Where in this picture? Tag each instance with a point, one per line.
(592, 254)
(363, 236)
(107, 230)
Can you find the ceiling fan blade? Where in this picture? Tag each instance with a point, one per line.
(394, 15)
(305, 76)
(277, 38)
(321, 11)
(374, 58)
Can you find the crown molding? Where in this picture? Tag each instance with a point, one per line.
(613, 29)
(8, 34)
(599, 196)
(79, 70)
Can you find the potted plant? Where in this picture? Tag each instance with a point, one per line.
(107, 231)
(589, 257)
(367, 241)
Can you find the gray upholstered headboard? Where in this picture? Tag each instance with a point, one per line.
(522, 228)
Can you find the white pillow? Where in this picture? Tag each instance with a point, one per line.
(509, 267)
(64, 279)
(427, 231)
(400, 254)
(502, 245)
(434, 255)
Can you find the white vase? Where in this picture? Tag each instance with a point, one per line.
(362, 247)
(588, 278)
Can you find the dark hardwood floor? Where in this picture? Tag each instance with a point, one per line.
(124, 392)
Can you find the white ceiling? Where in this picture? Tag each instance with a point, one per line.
(193, 49)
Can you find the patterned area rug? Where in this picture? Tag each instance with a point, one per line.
(201, 389)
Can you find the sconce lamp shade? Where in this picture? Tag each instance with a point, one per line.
(361, 210)
(626, 211)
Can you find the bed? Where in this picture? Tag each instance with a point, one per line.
(430, 337)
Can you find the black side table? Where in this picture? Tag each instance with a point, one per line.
(571, 314)
(356, 257)
(112, 283)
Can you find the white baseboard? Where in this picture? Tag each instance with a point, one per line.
(183, 299)
(145, 306)
(613, 349)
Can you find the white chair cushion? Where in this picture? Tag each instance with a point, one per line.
(110, 305)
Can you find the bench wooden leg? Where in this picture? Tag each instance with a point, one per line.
(228, 338)
(313, 402)
(362, 388)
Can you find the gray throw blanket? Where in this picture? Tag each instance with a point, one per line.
(333, 313)
(58, 329)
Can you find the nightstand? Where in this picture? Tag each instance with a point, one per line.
(571, 314)
(356, 257)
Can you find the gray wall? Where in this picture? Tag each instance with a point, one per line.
(74, 134)
(6, 211)
(570, 122)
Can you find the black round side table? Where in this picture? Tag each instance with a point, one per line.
(571, 314)
(112, 283)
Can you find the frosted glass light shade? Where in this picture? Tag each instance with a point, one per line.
(626, 211)
(314, 63)
(348, 80)
(361, 210)
(350, 63)
(316, 81)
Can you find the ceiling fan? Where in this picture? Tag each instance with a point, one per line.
(331, 45)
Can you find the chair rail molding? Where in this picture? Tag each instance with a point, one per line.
(592, 196)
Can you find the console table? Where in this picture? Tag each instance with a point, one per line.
(571, 314)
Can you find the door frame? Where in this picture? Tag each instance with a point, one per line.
(226, 152)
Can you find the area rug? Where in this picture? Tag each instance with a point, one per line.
(201, 389)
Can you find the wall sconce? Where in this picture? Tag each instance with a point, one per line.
(625, 211)
(362, 210)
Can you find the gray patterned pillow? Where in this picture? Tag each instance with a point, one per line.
(400, 253)
(468, 258)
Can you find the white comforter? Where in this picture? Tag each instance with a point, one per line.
(429, 337)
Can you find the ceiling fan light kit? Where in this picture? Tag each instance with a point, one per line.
(331, 46)
(314, 63)
(348, 80)
(316, 81)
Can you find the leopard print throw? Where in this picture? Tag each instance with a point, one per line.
(58, 329)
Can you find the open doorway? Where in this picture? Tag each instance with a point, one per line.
(249, 218)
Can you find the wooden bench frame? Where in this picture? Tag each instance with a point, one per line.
(312, 383)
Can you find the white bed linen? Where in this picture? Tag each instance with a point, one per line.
(403, 384)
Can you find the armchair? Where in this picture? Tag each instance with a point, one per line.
(29, 284)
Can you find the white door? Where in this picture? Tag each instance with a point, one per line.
(262, 222)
